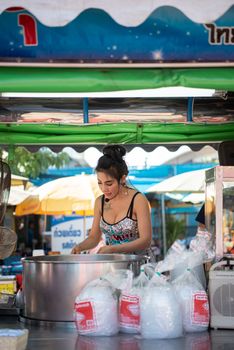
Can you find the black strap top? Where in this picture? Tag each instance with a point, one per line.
(130, 208)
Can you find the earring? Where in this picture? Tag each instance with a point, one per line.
(125, 187)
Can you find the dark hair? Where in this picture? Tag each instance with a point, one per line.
(112, 162)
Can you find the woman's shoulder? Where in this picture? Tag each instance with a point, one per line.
(100, 198)
(140, 198)
(137, 194)
(98, 201)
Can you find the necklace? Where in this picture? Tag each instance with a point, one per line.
(108, 204)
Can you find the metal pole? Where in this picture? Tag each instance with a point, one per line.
(190, 109)
(86, 110)
(84, 225)
(163, 224)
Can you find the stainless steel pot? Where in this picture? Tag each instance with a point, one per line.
(51, 283)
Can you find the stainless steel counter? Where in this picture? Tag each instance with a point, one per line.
(65, 338)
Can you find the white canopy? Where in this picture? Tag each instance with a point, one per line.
(17, 195)
(191, 181)
(129, 13)
(194, 198)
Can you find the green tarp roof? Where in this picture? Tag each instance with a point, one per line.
(38, 79)
(126, 133)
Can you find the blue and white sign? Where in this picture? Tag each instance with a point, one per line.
(166, 35)
(66, 231)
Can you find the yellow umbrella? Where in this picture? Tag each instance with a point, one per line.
(63, 196)
(17, 180)
(20, 182)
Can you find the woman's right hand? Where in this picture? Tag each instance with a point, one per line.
(76, 249)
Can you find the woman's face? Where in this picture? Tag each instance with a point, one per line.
(108, 185)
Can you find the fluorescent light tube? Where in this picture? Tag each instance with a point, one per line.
(160, 92)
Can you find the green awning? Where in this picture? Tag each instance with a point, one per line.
(58, 79)
(38, 79)
(124, 133)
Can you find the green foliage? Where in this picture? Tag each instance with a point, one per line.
(29, 164)
(175, 229)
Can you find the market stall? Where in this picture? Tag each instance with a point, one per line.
(115, 49)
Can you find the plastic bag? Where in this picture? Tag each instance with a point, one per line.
(203, 244)
(171, 258)
(129, 304)
(149, 270)
(120, 279)
(193, 301)
(160, 312)
(96, 309)
(178, 261)
(194, 262)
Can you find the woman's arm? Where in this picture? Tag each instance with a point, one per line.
(142, 212)
(95, 234)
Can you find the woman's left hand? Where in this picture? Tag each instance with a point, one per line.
(107, 249)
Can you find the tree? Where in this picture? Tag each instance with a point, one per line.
(29, 164)
(175, 229)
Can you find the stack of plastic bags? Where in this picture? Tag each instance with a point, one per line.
(164, 301)
(145, 304)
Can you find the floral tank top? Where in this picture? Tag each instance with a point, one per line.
(123, 231)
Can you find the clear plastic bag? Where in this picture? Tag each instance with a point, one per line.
(203, 243)
(120, 279)
(193, 301)
(192, 261)
(160, 312)
(96, 309)
(171, 258)
(129, 304)
(177, 262)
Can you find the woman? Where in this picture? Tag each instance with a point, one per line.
(122, 214)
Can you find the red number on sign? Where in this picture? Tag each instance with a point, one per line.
(29, 29)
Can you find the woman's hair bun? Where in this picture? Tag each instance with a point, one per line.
(116, 152)
(112, 162)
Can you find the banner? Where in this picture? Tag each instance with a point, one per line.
(167, 36)
(66, 231)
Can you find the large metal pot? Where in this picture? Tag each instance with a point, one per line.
(51, 283)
